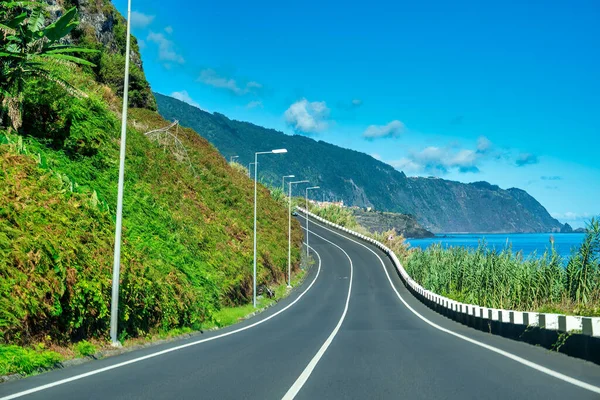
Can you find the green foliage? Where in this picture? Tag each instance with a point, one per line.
(506, 280)
(28, 50)
(187, 238)
(109, 61)
(335, 214)
(19, 360)
(85, 348)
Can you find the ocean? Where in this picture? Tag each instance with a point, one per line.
(531, 244)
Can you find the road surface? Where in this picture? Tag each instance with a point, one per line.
(350, 331)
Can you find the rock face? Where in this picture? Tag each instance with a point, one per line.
(378, 221)
(566, 229)
(102, 27)
(439, 205)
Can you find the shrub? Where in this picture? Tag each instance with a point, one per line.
(85, 348)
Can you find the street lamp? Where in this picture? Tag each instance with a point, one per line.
(233, 158)
(277, 151)
(307, 189)
(283, 181)
(290, 231)
(114, 305)
(249, 169)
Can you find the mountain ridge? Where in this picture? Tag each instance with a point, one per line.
(440, 205)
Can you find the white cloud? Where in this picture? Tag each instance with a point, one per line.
(211, 78)
(406, 165)
(357, 103)
(483, 144)
(376, 156)
(526, 159)
(572, 216)
(185, 96)
(308, 117)
(254, 104)
(438, 160)
(169, 29)
(166, 50)
(391, 130)
(141, 44)
(141, 20)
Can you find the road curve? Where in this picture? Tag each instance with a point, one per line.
(349, 335)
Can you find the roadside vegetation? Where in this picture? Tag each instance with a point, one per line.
(498, 279)
(505, 279)
(187, 238)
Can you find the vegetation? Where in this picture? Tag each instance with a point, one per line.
(85, 348)
(27, 48)
(497, 279)
(361, 180)
(346, 218)
(187, 239)
(19, 360)
(504, 279)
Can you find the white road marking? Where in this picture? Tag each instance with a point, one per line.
(295, 388)
(159, 353)
(504, 353)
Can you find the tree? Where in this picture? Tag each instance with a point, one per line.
(27, 48)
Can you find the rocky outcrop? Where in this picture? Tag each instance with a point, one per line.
(378, 221)
(566, 229)
(103, 27)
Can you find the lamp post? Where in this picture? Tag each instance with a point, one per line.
(249, 169)
(114, 305)
(277, 151)
(283, 181)
(307, 189)
(233, 158)
(290, 231)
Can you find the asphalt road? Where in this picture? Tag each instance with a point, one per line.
(351, 330)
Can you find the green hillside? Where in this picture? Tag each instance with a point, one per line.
(439, 205)
(187, 237)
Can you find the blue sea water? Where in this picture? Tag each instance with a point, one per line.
(529, 243)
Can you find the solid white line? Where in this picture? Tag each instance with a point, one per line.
(159, 353)
(295, 388)
(504, 353)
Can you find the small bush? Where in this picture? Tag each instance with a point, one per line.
(85, 348)
(20, 360)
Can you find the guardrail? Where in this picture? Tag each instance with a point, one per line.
(474, 314)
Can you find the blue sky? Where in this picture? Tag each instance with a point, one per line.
(507, 92)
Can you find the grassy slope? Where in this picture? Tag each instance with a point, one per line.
(187, 239)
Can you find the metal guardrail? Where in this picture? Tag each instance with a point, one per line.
(563, 323)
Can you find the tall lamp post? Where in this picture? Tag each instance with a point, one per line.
(307, 189)
(114, 305)
(283, 181)
(249, 168)
(277, 151)
(290, 231)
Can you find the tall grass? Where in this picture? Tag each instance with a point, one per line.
(497, 279)
(505, 279)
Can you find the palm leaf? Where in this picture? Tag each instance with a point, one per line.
(73, 59)
(36, 20)
(62, 26)
(68, 49)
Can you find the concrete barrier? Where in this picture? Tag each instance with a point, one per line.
(515, 324)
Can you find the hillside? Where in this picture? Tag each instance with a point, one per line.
(187, 237)
(378, 221)
(357, 178)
